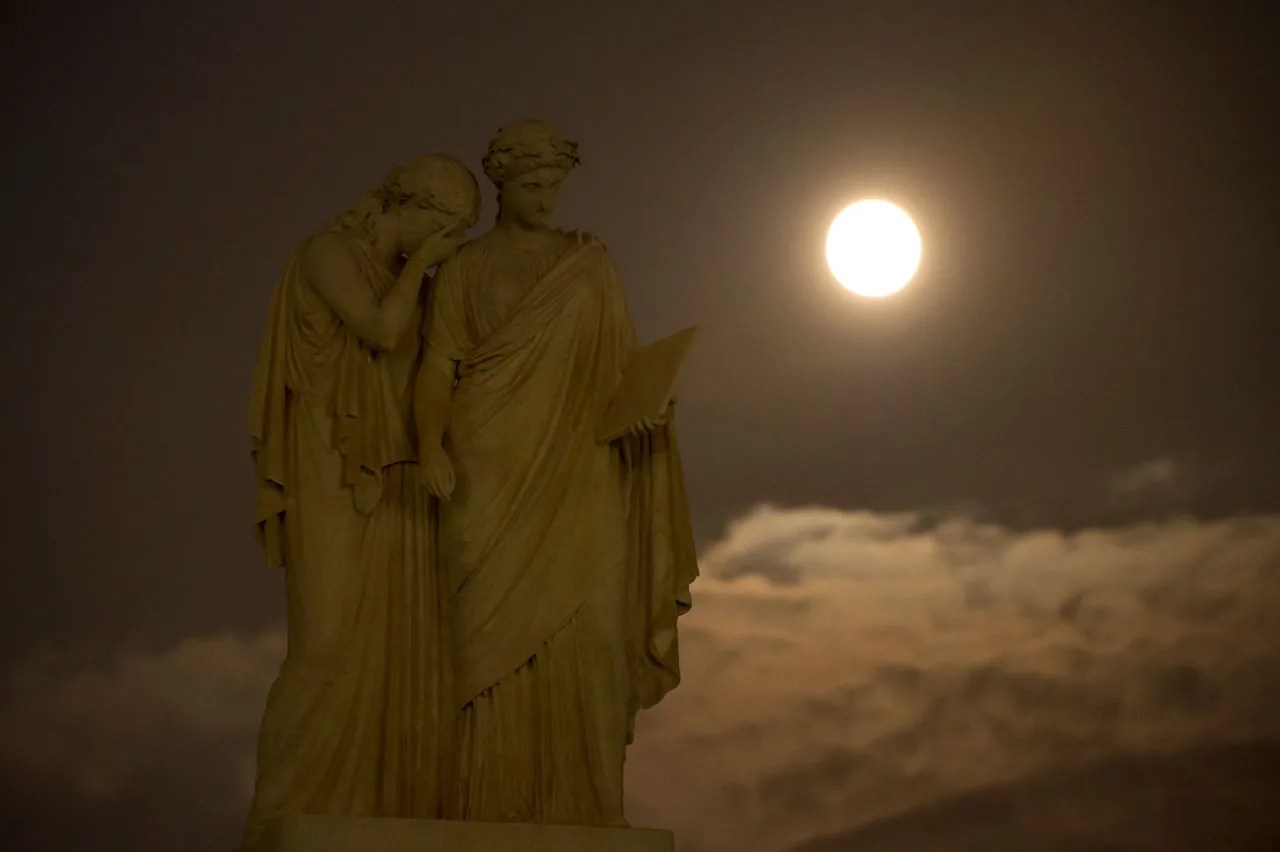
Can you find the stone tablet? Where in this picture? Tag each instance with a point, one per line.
(648, 383)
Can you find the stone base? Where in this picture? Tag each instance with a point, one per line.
(357, 834)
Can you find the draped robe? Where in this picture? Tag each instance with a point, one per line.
(355, 722)
(567, 562)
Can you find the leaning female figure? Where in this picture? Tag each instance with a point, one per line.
(352, 724)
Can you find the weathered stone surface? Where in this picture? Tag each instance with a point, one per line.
(482, 588)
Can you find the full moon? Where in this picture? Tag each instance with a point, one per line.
(873, 248)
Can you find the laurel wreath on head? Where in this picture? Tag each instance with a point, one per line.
(524, 146)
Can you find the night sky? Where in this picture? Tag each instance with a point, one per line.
(991, 563)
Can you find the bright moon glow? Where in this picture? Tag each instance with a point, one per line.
(873, 248)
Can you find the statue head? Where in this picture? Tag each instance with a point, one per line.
(432, 193)
(527, 161)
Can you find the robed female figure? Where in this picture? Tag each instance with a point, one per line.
(567, 560)
(358, 721)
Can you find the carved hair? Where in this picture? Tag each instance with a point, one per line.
(441, 181)
(524, 146)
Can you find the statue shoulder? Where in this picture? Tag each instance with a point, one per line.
(586, 238)
(471, 248)
(322, 244)
(465, 258)
(327, 254)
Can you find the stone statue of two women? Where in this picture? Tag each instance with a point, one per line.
(481, 595)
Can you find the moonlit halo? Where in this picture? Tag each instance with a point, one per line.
(873, 248)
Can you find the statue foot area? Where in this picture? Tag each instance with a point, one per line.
(360, 834)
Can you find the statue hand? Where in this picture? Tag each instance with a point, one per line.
(436, 473)
(437, 248)
(645, 425)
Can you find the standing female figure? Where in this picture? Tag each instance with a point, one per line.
(567, 560)
(353, 723)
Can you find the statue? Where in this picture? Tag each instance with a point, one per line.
(357, 721)
(566, 561)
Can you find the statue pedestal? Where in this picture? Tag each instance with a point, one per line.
(358, 834)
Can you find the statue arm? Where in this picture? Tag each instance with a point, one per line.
(434, 384)
(334, 274)
(432, 398)
(441, 354)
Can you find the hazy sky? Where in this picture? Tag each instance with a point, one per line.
(1090, 348)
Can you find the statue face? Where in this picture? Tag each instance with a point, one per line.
(530, 199)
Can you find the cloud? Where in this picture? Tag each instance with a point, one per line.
(1161, 485)
(840, 667)
(1151, 476)
(89, 730)
(1211, 797)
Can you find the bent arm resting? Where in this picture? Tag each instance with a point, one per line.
(432, 397)
(336, 276)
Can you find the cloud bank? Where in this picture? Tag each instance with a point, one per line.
(845, 666)
(840, 667)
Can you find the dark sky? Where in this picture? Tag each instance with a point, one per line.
(1091, 341)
